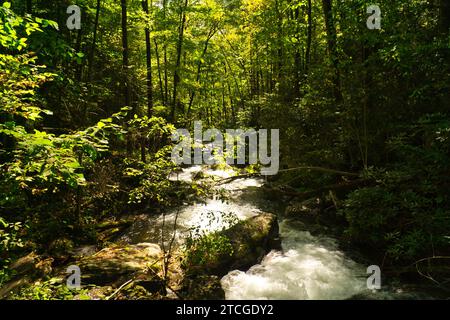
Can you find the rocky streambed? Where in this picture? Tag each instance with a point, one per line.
(274, 250)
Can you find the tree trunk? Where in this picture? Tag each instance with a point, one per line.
(445, 16)
(94, 41)
(199, 68)
(78, 49)
(125, 54)
(149, 63)
(166, 74)
(29, 6)
(332, 47)
(279, 60)
(161, 87)
(309, 38)
(297, 56)
(176, 77)
(125, 66)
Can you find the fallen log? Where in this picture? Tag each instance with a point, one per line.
(350, 185)
(320, 169)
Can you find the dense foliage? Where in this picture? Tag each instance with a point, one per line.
(86, 115)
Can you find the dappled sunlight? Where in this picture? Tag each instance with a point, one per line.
(203, 217)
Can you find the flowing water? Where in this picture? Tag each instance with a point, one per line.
(308, 267)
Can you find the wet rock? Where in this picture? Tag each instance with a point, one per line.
(307, 210)
(114, 264)
(84, 251)
(250, 241)
(253, 239)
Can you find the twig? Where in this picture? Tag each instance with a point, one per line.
(120, 288)
(429, 277)
(431, 258)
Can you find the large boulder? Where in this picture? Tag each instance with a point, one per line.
(249, 240)
(252, 239)
(115, 264)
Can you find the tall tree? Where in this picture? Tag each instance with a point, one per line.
(125, 54)
(297, 55)
(149, 61)
(158, 62)
(332, 46)
(199, 65)
(176, 77)
(309, 38)
(94, 41)
(30, 6)
(125, 68)
(279, 61)
(445, 16)
(166, 73)
(78, 48)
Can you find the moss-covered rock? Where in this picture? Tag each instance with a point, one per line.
(249, 242)
(114, 264)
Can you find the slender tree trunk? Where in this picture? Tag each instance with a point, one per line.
(332, 46)
(29, 6)
(166, 76)
(125, 54)
(149, 63)
(125, 66)
(78, 48)
(445, 16)
(166, 73)
(233, 110)
(279, 62)
(199, 68)
(297, 56)
(176, 77)
(224, 105)
(161, 87)
(309, 39)
(94, 41)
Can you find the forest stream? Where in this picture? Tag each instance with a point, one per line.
(308, 267)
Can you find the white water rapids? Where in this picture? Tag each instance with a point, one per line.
(308, 267)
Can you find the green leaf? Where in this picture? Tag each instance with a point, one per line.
(101, 125)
